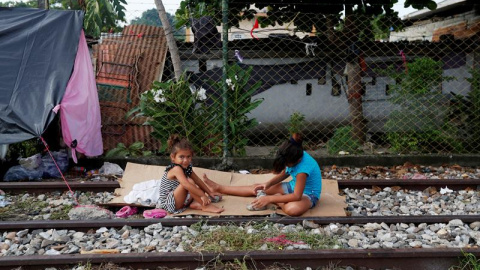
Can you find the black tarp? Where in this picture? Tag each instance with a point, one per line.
(37, 54)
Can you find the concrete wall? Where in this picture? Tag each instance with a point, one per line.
(323, 110)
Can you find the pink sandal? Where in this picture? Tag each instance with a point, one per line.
(126, 211)
(154, 213)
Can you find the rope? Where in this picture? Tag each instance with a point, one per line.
(60, 171)
(66, 182)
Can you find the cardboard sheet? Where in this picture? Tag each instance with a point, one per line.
(330, 204)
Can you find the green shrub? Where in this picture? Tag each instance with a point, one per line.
(24, 149)
(342, 140)
(173, 107)
(134, 150)
(296, 123)
(239, 103)
(420, 122)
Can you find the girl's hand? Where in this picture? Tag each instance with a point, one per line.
(259, 187)
(261, 202)
(214, 193)
(205, 200)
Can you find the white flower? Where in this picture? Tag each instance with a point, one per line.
(158, 96)
(236, 78)
(202, 94)
(229, 82)
(193, 89)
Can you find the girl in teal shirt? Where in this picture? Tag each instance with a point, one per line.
(296, 196)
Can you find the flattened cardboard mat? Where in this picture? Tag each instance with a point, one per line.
(330, 204)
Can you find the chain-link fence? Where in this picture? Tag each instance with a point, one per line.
(356, 84)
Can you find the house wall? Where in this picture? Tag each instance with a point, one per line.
(461, 26)
(193, 65)
(322, 109)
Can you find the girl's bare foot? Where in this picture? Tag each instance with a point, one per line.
(207, 208)
(214, 186)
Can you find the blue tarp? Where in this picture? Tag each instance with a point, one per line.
(37, 55)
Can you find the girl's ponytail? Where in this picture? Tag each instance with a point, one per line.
(175, 143)
(290, 152)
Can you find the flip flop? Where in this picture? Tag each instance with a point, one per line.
(154, 213)
(126, 211)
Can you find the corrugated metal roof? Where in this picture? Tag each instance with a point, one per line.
(144, 47)
(126, 66)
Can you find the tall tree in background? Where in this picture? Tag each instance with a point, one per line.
(150, 17)
(344, 21)
(100, 15)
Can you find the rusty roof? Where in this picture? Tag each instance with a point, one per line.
(141, 50)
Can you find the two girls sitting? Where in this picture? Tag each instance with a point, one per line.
(182, 188)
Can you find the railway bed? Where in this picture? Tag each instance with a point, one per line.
(110, 186)
(407, 259)
(411, 258)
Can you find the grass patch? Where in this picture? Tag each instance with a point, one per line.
(237, 238)
(468, 262)
(21, 209)
(61, 214)
(215, 264)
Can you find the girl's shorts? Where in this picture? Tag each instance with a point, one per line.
(287, 189)
(169, 203)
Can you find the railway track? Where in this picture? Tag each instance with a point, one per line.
(420, 258)
(412, 184)
(411, 259)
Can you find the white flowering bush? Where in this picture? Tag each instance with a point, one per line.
(179, 108)
(239, 103)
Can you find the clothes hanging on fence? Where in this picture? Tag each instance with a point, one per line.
(206, 35)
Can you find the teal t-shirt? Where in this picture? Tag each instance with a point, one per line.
(309, 166)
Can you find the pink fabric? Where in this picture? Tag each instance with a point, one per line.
(80, 109)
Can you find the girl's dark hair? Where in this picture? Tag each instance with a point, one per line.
(176, 143)
(289, 152)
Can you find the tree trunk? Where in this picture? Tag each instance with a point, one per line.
(354, 95)
(354, 77)
(172, 45)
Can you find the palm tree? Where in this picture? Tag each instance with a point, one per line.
(172, 45)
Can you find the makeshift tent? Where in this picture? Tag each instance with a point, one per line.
(46, 67)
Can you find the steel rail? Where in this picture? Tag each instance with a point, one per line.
(411, 259)
(42, 187)
(412, 184)
(85, 225)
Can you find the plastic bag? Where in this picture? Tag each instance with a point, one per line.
(111, 168)
(49, 168)
(3, 150)
(32, 162)
(17, 173)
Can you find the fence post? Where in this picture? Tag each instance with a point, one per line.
(224, 78)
